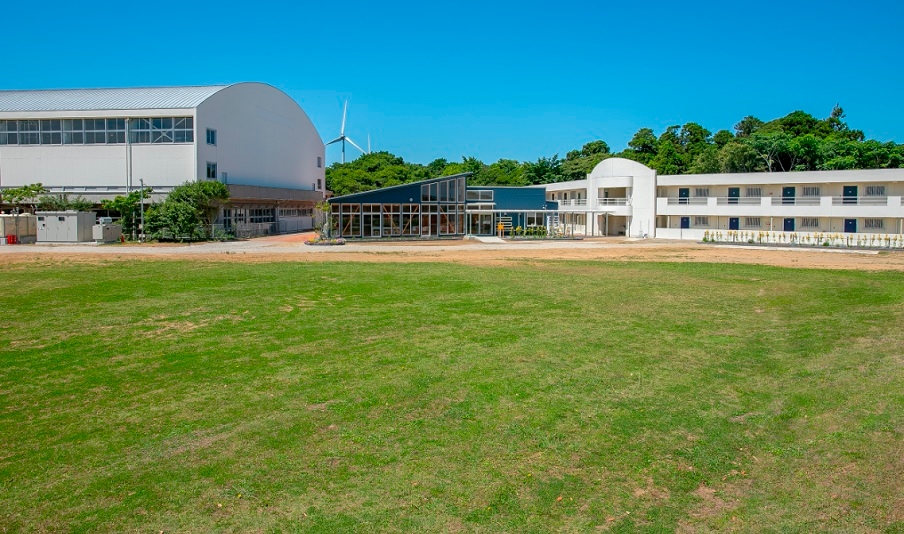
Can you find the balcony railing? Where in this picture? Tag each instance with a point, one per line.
(860, 201)
(795, 201)
(572, 202)
(741, 201)
(692, 201)
(612, 202)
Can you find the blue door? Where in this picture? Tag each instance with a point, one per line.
(850, 197)
(683, 194)
(850, 226)
(789, 224)
(734, 193)
(685, 222)
(734, 223)
(788, 195)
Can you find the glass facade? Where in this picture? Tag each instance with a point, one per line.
(233, 217)
(441, 212)
(156, 130)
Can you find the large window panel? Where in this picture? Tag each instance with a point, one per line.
(162, 130)
(9, 132)
(29, 133)
(50, 132)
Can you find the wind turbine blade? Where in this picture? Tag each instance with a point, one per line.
(354, 145)
(368, 143)
(336, 140)
(344, 114)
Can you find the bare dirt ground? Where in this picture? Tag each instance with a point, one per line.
(292, 248)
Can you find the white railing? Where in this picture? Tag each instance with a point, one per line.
(612, 202)
(795, 201)
(741, 201)
(572, 202)
(693, 201)
(860, 201)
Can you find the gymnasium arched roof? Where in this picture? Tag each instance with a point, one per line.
(130, 98)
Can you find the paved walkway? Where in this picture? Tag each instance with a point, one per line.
(278, 245)
(294, 245)
(489, 239)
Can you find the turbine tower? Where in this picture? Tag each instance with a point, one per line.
(342, 137)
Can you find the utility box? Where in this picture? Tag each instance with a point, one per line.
(65, 226)
(106, 233)
(23, 227)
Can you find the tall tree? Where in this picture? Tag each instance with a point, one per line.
(369, 171)
(670, 135)
(740, 157)
(694, 140)
(544, 171)
(579, 163)
(642, 146)
(436, 167)
(707, 162)
(747, 126)
(128, 207)
(27, 195)
(667, 160)
(594, 148)
(722, 138)
(771, 147)
(805, 149)
(507, 172)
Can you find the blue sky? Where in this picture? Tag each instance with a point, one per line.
(494, 80)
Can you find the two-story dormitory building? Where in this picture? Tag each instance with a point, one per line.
(622, 197)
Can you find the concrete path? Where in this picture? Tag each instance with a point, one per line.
(274, 245)
(489, 239)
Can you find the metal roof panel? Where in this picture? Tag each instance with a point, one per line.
(131, 98)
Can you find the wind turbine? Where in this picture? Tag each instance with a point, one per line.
(342, 137)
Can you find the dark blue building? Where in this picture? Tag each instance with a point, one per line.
(439, 207)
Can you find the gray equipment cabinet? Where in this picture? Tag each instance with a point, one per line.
(65, 226)
(107, 233)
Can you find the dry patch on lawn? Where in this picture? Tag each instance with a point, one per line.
(165, 327)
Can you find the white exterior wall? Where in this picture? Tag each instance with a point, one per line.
(640, 187)
(635, 181)
(652, 208)
(102, 165)
(828, 208)
(263, 138)
(783, 178)
(96, 165)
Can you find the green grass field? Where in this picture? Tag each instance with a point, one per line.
(536, 397)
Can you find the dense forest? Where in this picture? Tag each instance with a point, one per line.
(796, 142)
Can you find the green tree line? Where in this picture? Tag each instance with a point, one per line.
(796, 142)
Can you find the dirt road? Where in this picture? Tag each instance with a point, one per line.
(292, 248)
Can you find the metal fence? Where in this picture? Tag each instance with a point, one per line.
(249, 230)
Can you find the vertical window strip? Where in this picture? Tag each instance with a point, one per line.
(875, 190)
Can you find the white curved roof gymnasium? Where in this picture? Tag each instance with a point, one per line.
(94, 139)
